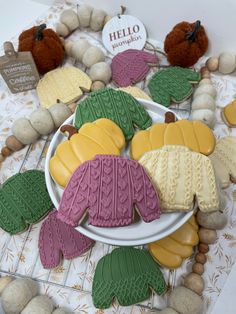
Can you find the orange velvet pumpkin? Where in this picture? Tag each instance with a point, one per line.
(185, 44)
(45, 46)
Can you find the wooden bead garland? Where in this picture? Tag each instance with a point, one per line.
(41, 122)
(86, 16)
(91, 57)
(203, 105)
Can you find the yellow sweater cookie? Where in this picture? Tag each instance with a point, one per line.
(180, 176)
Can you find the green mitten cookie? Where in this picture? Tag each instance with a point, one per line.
(23, 200)
(117, 106)
(127, 274)
(172, 84)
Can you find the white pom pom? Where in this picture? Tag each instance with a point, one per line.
(205, 89)
(68, 47)
(39, 305)
(93, 55)
(100, 71)
(62, 30)
(79, 48)
(206, 116)
(59, 112)
(42, 121)
(70, 19)
(84, 14)
(227, 63)
(203, 101)
(24, 131)
(97, 19)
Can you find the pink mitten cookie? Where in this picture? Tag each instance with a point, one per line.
(109, 187)
(56, 237)
(131, 66)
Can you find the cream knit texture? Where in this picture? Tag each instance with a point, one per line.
(181, 176)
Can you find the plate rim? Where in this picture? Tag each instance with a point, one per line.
(49, 183)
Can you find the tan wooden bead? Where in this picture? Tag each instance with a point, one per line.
(205, 73)
(6, 151)
(207, 236)
(13, 143)
(212, 64)
(194, 282)
(97, 85)
(203, 248)
(200, 258)
(2, 158)
(198, 268)
(72, 107)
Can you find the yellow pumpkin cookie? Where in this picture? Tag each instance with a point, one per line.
(181, 176)
(63, 84)
(229, 114)
(171, 251)
(135, 92)
(224, 160)
(194, 134)
(102, 136)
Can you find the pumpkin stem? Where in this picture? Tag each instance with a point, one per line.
(191, 36)
(69, 130)
(169, 117)
(39, 32)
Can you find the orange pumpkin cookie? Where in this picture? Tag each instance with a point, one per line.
(171, 251)
(194, 134)
(102, 136)
(229, 114)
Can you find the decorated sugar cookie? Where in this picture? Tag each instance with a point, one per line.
(172, 84)
(57, 237)
(65, 84)
(24, 200)
(117, 106)
(193, 134)
(126, 274)
(171, 251)
(109, 187)
(180, 176)
(229, 114)
(224, 160)
(131, 66)
(135, 92)
(102, 136)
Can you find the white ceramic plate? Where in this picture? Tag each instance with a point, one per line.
(137, 233)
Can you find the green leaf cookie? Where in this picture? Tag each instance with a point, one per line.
(23, 200)
(172, 84)
(117, 106)
(127, 274)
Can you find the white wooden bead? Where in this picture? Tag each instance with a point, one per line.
(194, 282)
(227, 63)
(39, 305)
(24, 131)
(17, 294)
(62, 30)
(97, 19)
(93, 55)
(100, 71)
(205, 89)
(42, 121)
(70, 19)
(203, 101)
(79, 48)
(84, 14)
(60, 112)
(205, 116)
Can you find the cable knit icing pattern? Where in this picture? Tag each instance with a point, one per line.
(131, 66)
(115, 105)
(127, 274)
(23, 200)
(224, 160)
(109, 187)
(180, 175)
(56, 237)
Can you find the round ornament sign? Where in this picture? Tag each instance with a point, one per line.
(124, 32)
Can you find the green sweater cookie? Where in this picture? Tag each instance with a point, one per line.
(127, 274)
(172, 84)
(23, 200)
(117, 106)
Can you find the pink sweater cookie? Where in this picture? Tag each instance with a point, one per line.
(109, 187)
(131, 66)
(56, 237)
